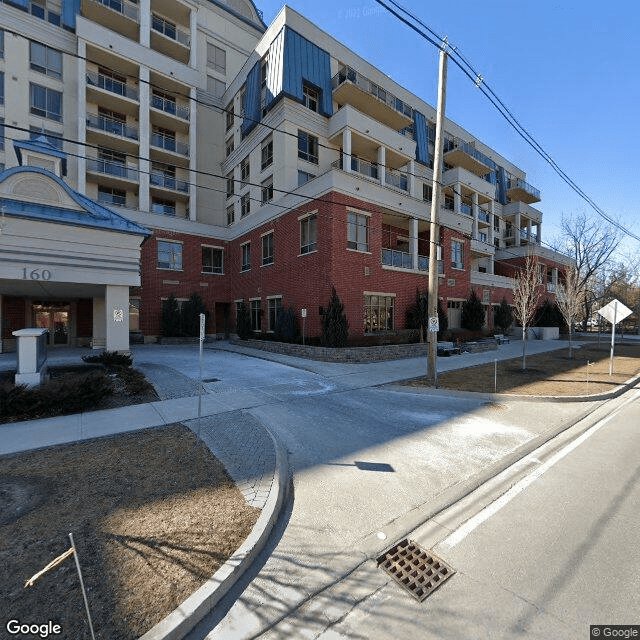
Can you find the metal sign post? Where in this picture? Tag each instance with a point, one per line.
(614, 312)
(303, 313)
(202, 325)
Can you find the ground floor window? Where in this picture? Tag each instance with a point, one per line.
(378, 312)
(454, 313)
(134, 314)
(256, 315)
(275, 305)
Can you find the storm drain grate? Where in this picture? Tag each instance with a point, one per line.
(416, 570)
(211, 380)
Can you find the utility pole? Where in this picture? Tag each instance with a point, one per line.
(434, 233)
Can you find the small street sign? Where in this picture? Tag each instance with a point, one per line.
(303, 313)
(615, 311)
(202, 319)
(434, 324)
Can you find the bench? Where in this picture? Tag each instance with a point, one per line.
(501, 338)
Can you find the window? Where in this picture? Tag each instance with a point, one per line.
(231, 214)
(230, 146)
(45, 60)
(216, 87)
(308, 234)
(217, 58)
(163, 101)
(37, 9)
(482, 236)
(163, 138)
(109, 195)
(229, 115)
(357, 231)
(267, 249)
(246, 256)
(2, 137)
(53, 138)
(307, 147)
(230, 185)
(1, 44)
(256, 315)
(448, 202)
(304, 177)
(112, 162)
(263, 85)
(267, 190)
(45, 102)
(245, 205)
(457, 255)
(2, 87)
(169, 255)
(378, 313)
(245, 169)
(134, 314)
(427, 192)
(275, 305)
(267, 153)
(211, 260)
(310, 98)
(163, 207)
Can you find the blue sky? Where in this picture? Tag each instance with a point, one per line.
(570, 73)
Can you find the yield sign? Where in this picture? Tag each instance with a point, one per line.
(615, 311)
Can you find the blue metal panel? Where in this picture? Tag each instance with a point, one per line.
(275, 68)
(70, 8)
(251, 104)
(502, 185)
(21, 4)
(422, 137)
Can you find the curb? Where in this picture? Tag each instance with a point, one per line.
(186, 616)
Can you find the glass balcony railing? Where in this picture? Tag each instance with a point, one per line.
(168, 182)
(113, 168)
(402, 260)
(517, 183)
(466, 209)
(483, 215)
(453, 144)
(347, 74)
(358, 165)
(525, 235)
(170, 30)
(112, 199)
(111, 84)
(168, 143)
(163, 209)
(127, 9)
(169, 106)
(110, 125)
(396, 179)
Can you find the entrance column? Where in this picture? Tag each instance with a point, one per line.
(99, 338)
(117, 317)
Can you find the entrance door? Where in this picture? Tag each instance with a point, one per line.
(55, 318)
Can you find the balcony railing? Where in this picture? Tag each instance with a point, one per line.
(170, 30)
(169, 144)
(397, 179)
(111, 84)
(169, 106)
(163, 209)
(402, 260)
(465, 147)
(168, 182)
(466, 209)
(347, 74)
(127, 9)
(525, 235)
(110, 125)
(112, 199)
(517, 183)
(483, 215)
(112, 168)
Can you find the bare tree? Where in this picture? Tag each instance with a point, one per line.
(592, 245)
(525, 299)
(569, 300)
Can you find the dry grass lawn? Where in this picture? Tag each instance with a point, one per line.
(549, 374)
(154, 514)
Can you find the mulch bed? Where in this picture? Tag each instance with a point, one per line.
(153, 513)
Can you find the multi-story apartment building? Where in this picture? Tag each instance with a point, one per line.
(253, 164)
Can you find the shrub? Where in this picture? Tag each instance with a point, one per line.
(287, 328)
(190, 315)
(243, 322)
(472, 317)
(109, 359)
(503, 317)
(135, 383)
(170, 322)
(443, 320)
(548, 315)
(417, 316)
(335, 326)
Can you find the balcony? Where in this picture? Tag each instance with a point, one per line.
(120, 16)
(528, 237)
(467, 209)
(163, 209)
(168, 143)
(402, 260)
(170, 107)
(168, 182)
(483, 216)
(482, 247)
(114, 174)
(397, 180)
(111, 126)
(351, 87)
(522, 191)
(526, 210)
(492, 280)
(462, 154)
(111, 93)
(170, 39)
(463, 176)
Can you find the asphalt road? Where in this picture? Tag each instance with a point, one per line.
(555, 553)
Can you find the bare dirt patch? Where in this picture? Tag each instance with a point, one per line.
(154, 514)
(549, 374)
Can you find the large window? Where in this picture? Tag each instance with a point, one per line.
(245, 169)
(256, 315)
(304, 177)
(267, 249)
(229, 116)
(230, 185)
(378, 312)
(457, 255)
(2, 87)
(307, 147)
(267, 153)
(357, 231)
(246, 256)
(275, 305)
(212, 260)
(310, 98)
(45, 102)
(267, 190)
(134, 314)
(216, 87)
(245, 205)
(169, 255)
(308, 234)
(216, 58)
(109, 195)
(45, 60)
(231, 214)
